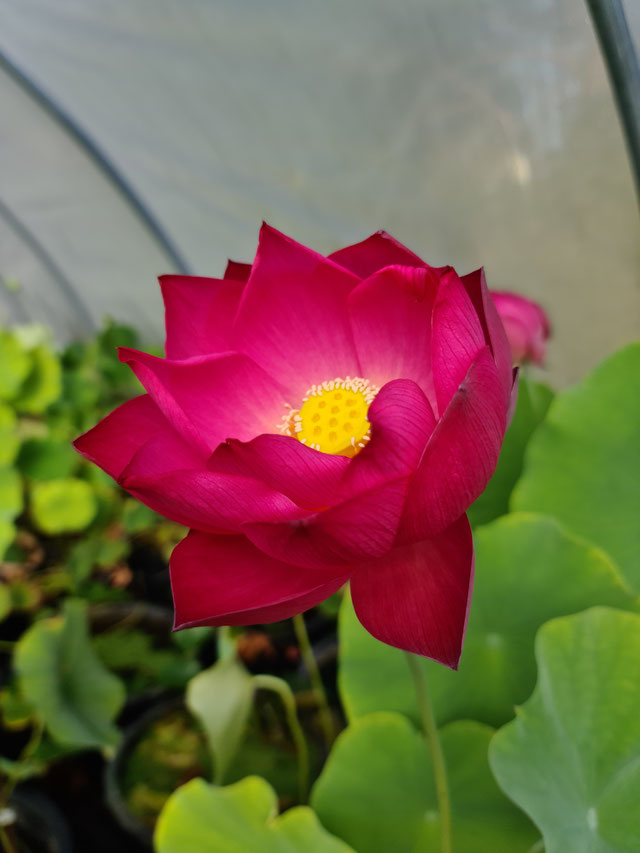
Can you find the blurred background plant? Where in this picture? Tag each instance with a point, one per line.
(85, 621)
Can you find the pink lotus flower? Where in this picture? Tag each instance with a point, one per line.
(526, 325)
(318, 420)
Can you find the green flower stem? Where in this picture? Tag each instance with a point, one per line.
(279, 686)
(7, 844)
(435, 750)
(29, 749)
(326, 718)
(226, 642)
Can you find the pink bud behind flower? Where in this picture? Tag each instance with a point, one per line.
(526, 325)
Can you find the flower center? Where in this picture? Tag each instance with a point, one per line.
(333, 416)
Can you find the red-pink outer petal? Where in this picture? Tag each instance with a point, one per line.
(457, 337)
(417, 597)
(212, 502)
(348, 532)
(292, 318)
(114, 441)
(199, 313)
(377, 251)
(225, 580)
(390, 316)
(237, 271)
(492, 326)
(210, 398)
(308, 477)
(401, 423)
(461, 455)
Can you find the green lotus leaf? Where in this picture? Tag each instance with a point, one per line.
(582, 465)
(302, 832)
(528, 570)
(240, 818)
(571, 758)
(64, 680)
(377, 791)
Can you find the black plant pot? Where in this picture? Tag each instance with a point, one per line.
(115, 769)
(40, 826)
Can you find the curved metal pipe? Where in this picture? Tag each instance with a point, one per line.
(29, 238)
(620, 57)
(101, 160)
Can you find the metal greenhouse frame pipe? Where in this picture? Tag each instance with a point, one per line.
(620, 57)
(101, 160)
(41, 253)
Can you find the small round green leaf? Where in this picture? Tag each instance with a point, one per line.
(303, 833)
(377, 791)
(43, 383)
(571, 758)
(15, 365)
(61, 676)
(92, 551)
(7, 535)
(63, 506)
(45, 459)
(582, 464)
(137, 517)
(11, 501)
(9, 440)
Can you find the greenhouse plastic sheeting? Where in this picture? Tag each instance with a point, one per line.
(477, 131)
